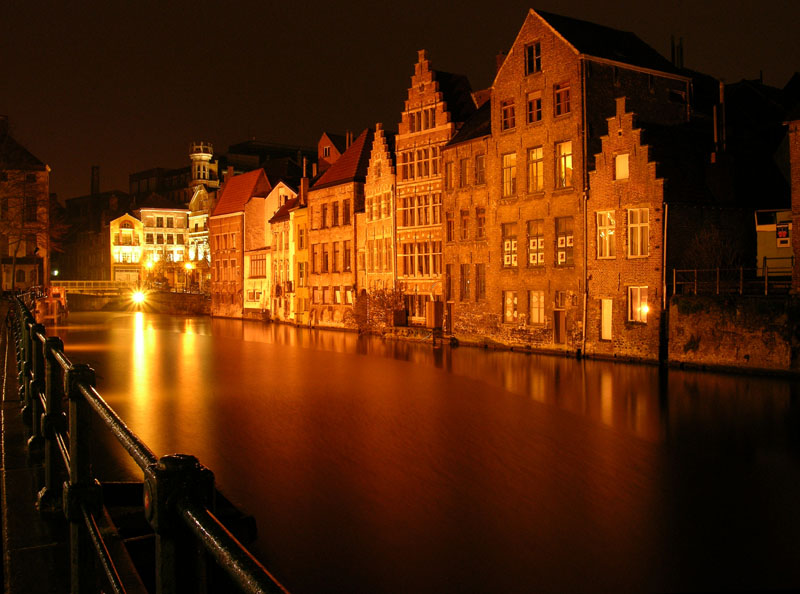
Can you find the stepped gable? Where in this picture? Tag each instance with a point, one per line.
(352, 165)
(607, 43)
(239, 189)
(477, 126)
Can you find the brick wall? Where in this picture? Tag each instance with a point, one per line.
(794, 163)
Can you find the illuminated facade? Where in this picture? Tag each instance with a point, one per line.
(127, 234)
(298, 219)
(379, 214)
(437, 104)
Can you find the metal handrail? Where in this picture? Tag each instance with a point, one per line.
(178, 491)
(763, 280)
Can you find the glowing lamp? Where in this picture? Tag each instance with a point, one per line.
(645, 309)
(149, 264)
(137, 297)
(188, 266)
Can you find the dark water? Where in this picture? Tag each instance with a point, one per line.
(378, 466)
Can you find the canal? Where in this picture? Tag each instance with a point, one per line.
(377, 466)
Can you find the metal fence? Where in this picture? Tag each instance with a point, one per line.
(775, 280)
(178, 493)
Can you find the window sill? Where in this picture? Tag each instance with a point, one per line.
(638, 257)
(564, 190)
(535, 195)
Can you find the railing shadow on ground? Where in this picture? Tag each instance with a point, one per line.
(193, 549)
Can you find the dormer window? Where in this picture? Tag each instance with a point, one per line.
(326, 151)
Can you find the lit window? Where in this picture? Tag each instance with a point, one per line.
(637, 304)
(564, 241)
(464, 282)
(509, 306)
(638, 232)
(536, 242)
(606, 239)
(510, 174)
(536, 306)
(535, 169)
(564, 164)
(509, 245)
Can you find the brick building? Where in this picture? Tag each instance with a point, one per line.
(549, 103)
(379, 214)
(283, 269)
(333, 202)
(24, 215)
(226, 227)
(794, 160)
(466, 204)
(437, 105)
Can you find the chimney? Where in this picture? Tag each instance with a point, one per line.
(304, 184)
(95, 188)
(347, 139)
(498, 61)
(229, 172)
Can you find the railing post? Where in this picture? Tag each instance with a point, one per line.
(673, 282)
(167, 483)
(81, 490)
(35, 385)
(53, 425)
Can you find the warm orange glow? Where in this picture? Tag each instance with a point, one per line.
(188, 266)
(138, 297)
(645, 309)
(149, 264)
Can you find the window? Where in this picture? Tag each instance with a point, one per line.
(535, 169)
(480, 282)
(464, 293)
(564, 164)
(335, 263)
(638, 232)
(148, 238)
(480, 169)
(509, 245)
(507, 115)
(451, 226)
(536, 307)
(387, 250)
(509, 306)
(562, 106)
(324, 216)
(170, 222)
(534, 112)
(509, 174)
(533, 58)
(159, 221)
(160, 239)
(464, 224)
(462, 173)
(346, 256)
(480, 223)
(637, 304)
(325, 259)
(448, 175)
(437, 209)
(605, 319)
(346, 211)
(606, 239)
(448, 282)
(621, 166)
(301, 238)
(564, 241)
(335, 222)
(536, 242)
(326, 151)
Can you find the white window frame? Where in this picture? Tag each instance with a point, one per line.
(606, 237)
(637, 304)
(638, 232)
(536, 307)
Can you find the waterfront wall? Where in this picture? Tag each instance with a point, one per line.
(156, 302)
(742, 332)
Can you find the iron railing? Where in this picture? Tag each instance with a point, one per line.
(178, 492)
(768, 280)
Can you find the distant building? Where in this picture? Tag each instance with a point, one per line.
(298, 219)
(165, 227)
(126, 245)
(24, 215)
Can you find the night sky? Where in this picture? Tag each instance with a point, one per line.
(127, 85)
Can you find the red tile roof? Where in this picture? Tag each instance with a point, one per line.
(352, 165)
(283, 212)
(239, 189)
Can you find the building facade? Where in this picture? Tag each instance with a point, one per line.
(126, 245)
(437, 104)
(333, 202)
(379, 215)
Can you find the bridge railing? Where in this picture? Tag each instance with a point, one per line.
(178, 493)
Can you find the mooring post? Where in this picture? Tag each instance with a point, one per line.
(81, 491)
(53, 426)
(168, 484)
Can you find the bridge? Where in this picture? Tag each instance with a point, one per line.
(100, 288)
(171, 532)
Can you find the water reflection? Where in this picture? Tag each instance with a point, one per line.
(388, 466)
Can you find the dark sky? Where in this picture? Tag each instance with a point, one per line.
(127, 85)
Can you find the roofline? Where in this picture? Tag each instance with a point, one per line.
(459, 143)
(227, 214)
(628, 66)
(339, 182)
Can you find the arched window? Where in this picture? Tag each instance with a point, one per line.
(125, 225)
